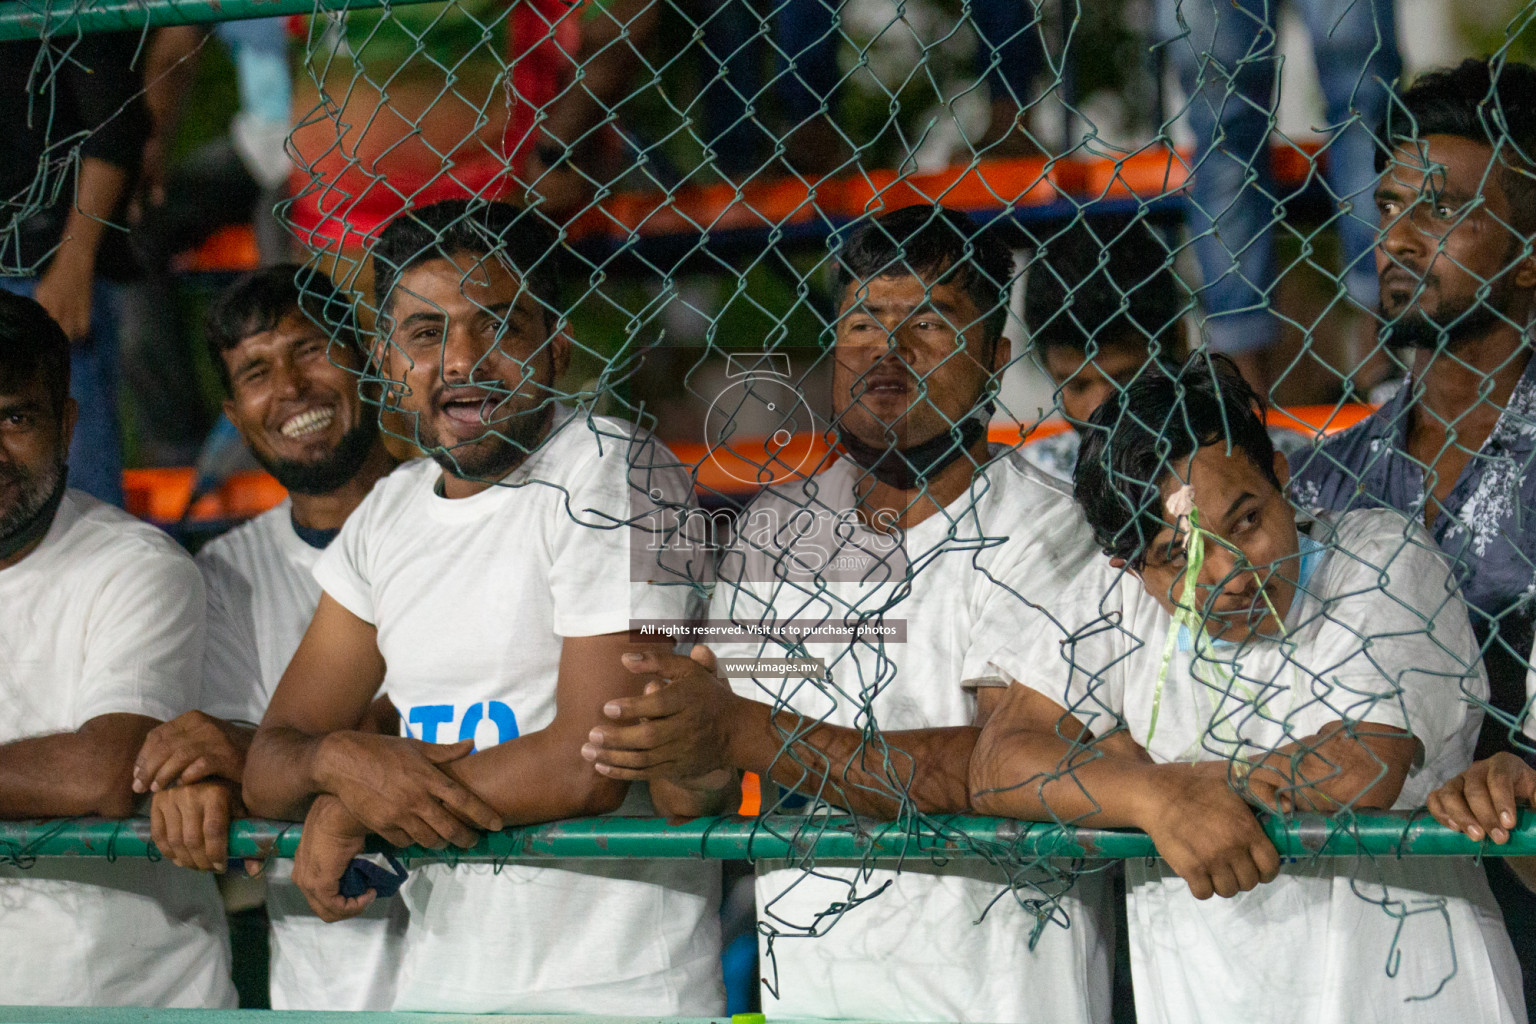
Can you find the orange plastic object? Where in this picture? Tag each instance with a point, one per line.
(989, 185)
(753, 462)
(1148, 173)
(1321, 420)
(751, 795)
(1294, 162)
(229, 249)
(160, 495)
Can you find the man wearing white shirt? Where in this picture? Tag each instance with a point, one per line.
(287, 352)
(922, 527)
(490, 591)
(1225, 655)
(101, 640)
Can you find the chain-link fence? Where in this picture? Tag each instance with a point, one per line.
(993, 384)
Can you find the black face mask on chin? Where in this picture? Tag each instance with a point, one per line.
(38, 523)
(903, 468)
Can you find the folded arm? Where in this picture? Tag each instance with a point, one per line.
(1359, 765)
(85, 772)
(541, 776)
(1038, 762)
(692, 727)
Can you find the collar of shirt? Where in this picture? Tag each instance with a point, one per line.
(1398, 478)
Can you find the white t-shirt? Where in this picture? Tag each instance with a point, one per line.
(942, 942)
(1316, 944)
(104, 617)
(261, 595)
(472, 598)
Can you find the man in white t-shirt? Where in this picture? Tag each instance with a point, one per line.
(284, 343)
(951, 542)
(1226, 655)
(101, 640)
(490, 590)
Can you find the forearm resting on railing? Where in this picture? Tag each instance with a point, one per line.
(1360, 765)
(923, 769)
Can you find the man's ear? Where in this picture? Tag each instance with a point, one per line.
(1126, 566)
(229, 414)
(1282, 467)
(67, 425)
(560, 349)
(1002, 355)
(1524, 274)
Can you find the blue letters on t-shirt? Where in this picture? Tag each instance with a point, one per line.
(428, 717)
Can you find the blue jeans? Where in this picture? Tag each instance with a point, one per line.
(1225, 55)
(96, 454)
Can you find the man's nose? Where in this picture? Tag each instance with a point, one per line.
(1401, 243)
(1221, 569)
(463, 353)
(291, 381)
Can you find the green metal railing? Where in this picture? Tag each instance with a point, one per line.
(25, 19)
(1377, 833)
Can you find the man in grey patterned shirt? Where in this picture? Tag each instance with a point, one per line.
(1458, 289)
(1455, 446)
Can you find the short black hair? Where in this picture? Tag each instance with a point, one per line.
(1490, 101)
(481, 227)
(32, 346)
(260, 300)
(1137, 435)
(937, 244)
(1102, 283)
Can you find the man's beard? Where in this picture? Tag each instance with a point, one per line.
(329, 473)
(497, 452)
(1448, 329)
(36, 491)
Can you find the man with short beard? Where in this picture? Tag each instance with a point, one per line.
(1454, 447)
(101, 640)
(923, 525)
(286, 349)
(490, 590)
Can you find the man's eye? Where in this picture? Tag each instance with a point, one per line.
(18, 420)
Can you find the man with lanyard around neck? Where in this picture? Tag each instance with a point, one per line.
(920, 526)
(101, 640)
(1225, 656)
(286, 348)
(490, 590)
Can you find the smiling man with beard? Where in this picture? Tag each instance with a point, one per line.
(286, 348)
(490, 590)
(1454, 448)
(100, 641)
